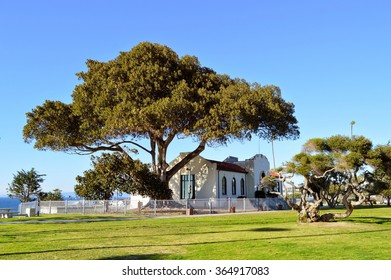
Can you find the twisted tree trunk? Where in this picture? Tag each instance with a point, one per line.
(309, 212)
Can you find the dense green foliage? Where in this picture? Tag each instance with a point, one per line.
(26, 185)
(150, 93)
(55, 195)
(337, 167)
(264, 235)
(117, 173)
(381, 161)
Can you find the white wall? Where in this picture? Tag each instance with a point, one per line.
(229, 176)
(205, 185)
(207, 178)
(255, 165)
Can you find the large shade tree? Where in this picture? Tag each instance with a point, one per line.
(151, 95)
(327, 162)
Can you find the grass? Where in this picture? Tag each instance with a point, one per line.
(264, 235)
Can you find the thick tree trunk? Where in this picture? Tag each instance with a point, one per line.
(309, 212)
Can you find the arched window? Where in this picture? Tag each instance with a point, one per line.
(233, 186)
(224, 186)
(242, 192)
(261, 176)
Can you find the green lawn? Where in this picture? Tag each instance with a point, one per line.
(264, 235)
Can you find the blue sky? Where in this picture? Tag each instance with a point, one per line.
(332, 59)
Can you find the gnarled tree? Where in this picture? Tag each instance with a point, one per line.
(150, 93)
(325, 162)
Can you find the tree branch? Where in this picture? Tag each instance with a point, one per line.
(325, 173)
(186, 159)
(286, 198)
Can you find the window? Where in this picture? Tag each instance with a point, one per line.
(242, 187)
(224, 186)
(233, 186)
(261, 176)
(187, 188)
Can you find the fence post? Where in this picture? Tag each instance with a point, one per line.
(210, 205)
(66, 206)
(244, 204)
(229, 204)
(125, 202)
(154, 208)
(84, 207)
(50, 207)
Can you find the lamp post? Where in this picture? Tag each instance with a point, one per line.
(189, 210)
(351, 128)
(189, 183)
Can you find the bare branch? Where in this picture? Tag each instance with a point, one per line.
(325, 173)
(286, 198)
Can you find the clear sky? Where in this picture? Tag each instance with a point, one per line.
(332, 59)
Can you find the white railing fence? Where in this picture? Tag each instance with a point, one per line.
(154, 207)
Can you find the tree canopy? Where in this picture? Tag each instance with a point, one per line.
(150, 93)
(25, 185)
(381, 161)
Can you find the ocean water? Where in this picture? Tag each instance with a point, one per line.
(6, 202)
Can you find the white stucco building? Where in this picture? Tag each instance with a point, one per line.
(203, 178)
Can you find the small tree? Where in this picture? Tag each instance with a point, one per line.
(55, 195)
(350, 157)
(25, 185)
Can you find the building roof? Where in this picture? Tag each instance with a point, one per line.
(226, 166)
(274, 174)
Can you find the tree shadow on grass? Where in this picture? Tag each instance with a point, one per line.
(174, 244)
(268, 229)
(372, 220)
(137, 257)
(11, 237)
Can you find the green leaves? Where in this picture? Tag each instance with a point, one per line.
(53, 126)
(151, 93)
(25, 184)
(118, 172)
